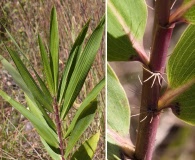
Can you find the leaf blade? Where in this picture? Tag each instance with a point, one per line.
(82, 67)
(19, 81)
(85, 105)
(82, 124)
(67, 74)
(27, 78)
(126, 26)
(117, 106)
(46, 66)
(74, 54)
(54, 47)
(42, 84)
(44, 131)
(50, 151)
(16, 76)
(180, 71)
(87, 150)
(37, 110)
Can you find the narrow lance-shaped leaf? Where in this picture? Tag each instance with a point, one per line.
(83, 122)
(82, 67)
(15, 75)
(43, 86)
(39, 112)
(117, 106)
(43, 130)
(54, 47)
(46, 66)
(126, 26)
(180, 71)
(67, 74)
(14, 41)
(84, 106)
(19, 81)
(51, 150)
(80, 39)
(69, 68)
(32, 86)
(86, 151)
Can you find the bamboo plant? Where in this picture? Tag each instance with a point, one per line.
(50, 99)
(126, 27)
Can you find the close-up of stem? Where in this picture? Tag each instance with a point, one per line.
(161, 40)
(162, 86)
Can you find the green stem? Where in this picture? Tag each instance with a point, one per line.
(149, 120)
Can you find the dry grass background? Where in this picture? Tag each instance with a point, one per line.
(25, 19)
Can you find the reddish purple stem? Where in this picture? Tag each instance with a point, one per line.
(58, 125)
(149, 104)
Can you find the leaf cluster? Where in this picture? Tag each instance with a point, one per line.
(54, 94)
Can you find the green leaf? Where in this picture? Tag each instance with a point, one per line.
(46, 66)
(117, 108)
(42, 84)
(54, 46)
(51, 151)
(86, 151)
(82, 68)
(14, 41)
(190, 14)
(80, 39)
(73, 56)
(113, 152)
(27, 78)
(43, 87)
(67, 74)
(15, 75)
(118, 105)
(180, 71)
(44, 131)
(85, 106)
(19, 81)
(83, 122)
(38, 112)
(126, 26)
(117, 144)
